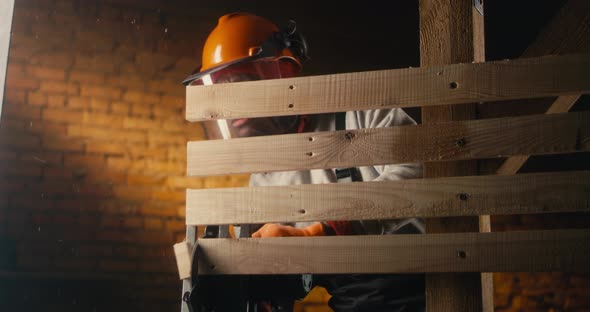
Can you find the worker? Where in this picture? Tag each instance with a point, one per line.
(246, 47)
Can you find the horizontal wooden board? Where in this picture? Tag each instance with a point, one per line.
(528, 135)
(527, 251)
(442, 197)
(426, 86)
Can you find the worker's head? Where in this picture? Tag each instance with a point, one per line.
(246, 47)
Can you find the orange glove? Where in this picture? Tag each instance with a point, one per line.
(277, 230)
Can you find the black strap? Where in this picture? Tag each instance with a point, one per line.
(340, 121)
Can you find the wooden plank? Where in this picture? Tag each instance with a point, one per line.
(425, 86)
(527, 251)
(442, 197)
(183, 254)
(6, 12)
(452, 31)
(568, 32)
(563, 104)
(558, 133)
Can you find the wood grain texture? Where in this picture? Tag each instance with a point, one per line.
(6, 12)
(529, 135)
(528, 251)
(452, 31)
(442, 197)
(425, 86)
(183, 254)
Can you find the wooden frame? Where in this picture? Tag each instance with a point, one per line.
(430, 198)
(439, 88)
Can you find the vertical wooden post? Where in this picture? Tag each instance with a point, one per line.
(452, 31)
(6, 11)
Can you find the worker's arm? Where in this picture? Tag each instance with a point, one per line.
(279, 230)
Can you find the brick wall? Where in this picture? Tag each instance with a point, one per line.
(547, 291)
(93, 151)
(92, 158)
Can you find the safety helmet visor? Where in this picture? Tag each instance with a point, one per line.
(270, 68)
(248, 69)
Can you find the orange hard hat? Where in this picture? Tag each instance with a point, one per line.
(242, 37)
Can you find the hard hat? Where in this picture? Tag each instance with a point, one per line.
(246, 47)
(246, 44)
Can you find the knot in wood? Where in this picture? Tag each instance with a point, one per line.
(349, 136)
(460, 142)
(461, 254)
(211, 115)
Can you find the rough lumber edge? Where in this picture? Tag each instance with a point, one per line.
(452, 31)
(182, 252)
(6, 11)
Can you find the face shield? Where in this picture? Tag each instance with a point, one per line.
(251, 70)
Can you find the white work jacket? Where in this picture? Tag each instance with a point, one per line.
(380, 118)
